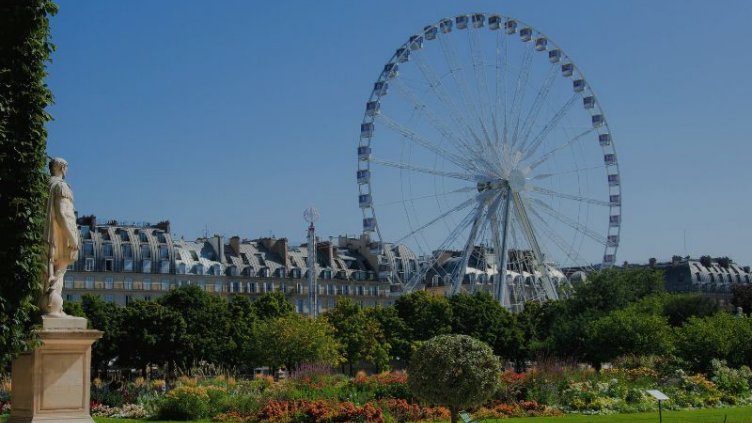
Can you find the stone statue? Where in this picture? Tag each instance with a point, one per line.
(61, 234)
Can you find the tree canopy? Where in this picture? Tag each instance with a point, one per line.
(456, 371)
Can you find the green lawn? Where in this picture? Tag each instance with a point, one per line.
(709, 415)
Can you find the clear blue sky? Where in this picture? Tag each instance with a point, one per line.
(237, 115)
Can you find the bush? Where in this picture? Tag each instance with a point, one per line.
(732, 382)
(184, 403)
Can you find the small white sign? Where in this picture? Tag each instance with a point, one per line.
(660, 396)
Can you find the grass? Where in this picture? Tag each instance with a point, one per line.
(707, 415)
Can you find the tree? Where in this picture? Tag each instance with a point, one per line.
(425, 315)
(272, 305)
(536, 323)
(479, 315)
(107, 317)
(242, 351)
(720, 336)
(396, 332)
(208, 322)
(292, 340)
(611, 289)
(678, 308)
(742, 297)
(25, 49)
(627, 332)
(456, 371)
(359, 334)
(154, 334)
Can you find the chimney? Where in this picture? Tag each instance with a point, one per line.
(235, 245)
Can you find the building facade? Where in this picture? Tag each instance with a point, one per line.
(126, 262)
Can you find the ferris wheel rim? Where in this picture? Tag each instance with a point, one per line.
(370, 220)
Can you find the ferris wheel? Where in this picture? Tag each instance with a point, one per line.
(484, 150)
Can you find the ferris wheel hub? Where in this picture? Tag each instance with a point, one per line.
(518, 180)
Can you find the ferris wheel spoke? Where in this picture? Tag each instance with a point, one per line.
(543, 158)
(457, 114)
(529, 233)
(572, 223)
(479, 68)
(405, 166)
(459, 80)
(425, 197)
(565, 172)
(563, 246)
(550, 126)
(578, 198)
(423, 108)
(428, 145)
(502, 59)
(540, 98)
(453, 235)
(438, 218)
(519, 93)
(458, 274)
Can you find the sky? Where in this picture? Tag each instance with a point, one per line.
(233, 117)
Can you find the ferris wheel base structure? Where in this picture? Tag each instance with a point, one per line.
(485, 151)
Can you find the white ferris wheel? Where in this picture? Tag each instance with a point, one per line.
(484, 150)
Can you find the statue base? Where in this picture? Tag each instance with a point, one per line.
(52, 382)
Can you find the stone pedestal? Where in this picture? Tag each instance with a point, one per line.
(51, 383)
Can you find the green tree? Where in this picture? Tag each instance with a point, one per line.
(721, 336)
(612, 289)
(424, 314)
(359, 334)
(107, 317)
(293, 340)
(73, 308)
(678, 308)
(242, 351)
(153, 334)
(208, 322)
(272, 305)
(536, 321)
(479, 315)
(396, 332)
(627, 332)
(25, 49)
(456, 371)
(742, 297)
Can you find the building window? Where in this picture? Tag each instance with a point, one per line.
(300, 305)
(218, 287)
(252, 287)
(68, 282)
(109, 298)
(164, 266)
(107, 249)
(129, 283)
(146, 266)
(164, 252)
(128, 265)
(299, 288)
(283, 287)
(128, 299)
(145, 251)
(88, 249)
(89, 264)
(146, 284)
(165, 284)
(108, 282)
(108, 265)
(217, 269)
(89, 282)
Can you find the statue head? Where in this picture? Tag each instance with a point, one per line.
(58, 167)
